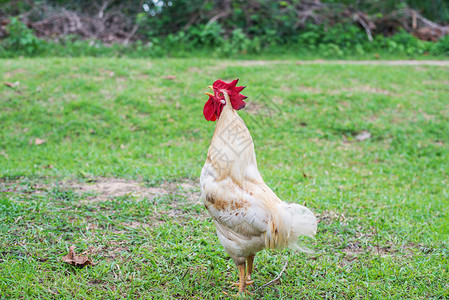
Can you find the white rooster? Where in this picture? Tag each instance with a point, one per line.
(247, 213)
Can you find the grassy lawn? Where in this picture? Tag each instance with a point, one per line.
(105, 155)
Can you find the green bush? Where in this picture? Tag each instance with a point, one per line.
(403, 42)
(312, 41)
(238, 43)
(209, 35)
(21, 39)
(441, 47)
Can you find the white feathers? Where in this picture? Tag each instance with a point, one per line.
(247, 213)
(291, 222)
(303, 221)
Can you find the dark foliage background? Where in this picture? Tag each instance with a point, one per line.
(228, 27)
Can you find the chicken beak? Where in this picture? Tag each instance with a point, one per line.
(209, 94)
(211, 87)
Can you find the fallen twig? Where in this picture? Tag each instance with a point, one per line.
(274, 280)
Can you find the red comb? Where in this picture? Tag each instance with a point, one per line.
(233, 92)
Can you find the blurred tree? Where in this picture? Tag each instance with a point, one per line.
(276, 21)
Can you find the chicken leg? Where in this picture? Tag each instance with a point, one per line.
(249, 269)
(245, 279)
(242, 279)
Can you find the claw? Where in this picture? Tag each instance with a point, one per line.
(236, 284)
(239, 294)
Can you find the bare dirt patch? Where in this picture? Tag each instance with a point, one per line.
(329, 216)
(102, 189)
(9, 74)
(252, 63)
(107, 188)
(362, 88)
(379, 62)
(366, 241)
(436, 82)
(310, 90)
(366, 89)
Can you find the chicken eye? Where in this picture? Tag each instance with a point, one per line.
(220, 94)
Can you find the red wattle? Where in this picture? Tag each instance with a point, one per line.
(209, 110)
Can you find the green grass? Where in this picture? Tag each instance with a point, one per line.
(383, 202)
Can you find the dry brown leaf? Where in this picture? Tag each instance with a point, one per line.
(38, 141)
(170, 77)
(364, 135)
(75, 260)
(12, 85)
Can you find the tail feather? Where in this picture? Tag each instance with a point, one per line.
(291, 222)
(304, 221)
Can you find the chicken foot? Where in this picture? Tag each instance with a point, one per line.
(249, 271)
(245, 279)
